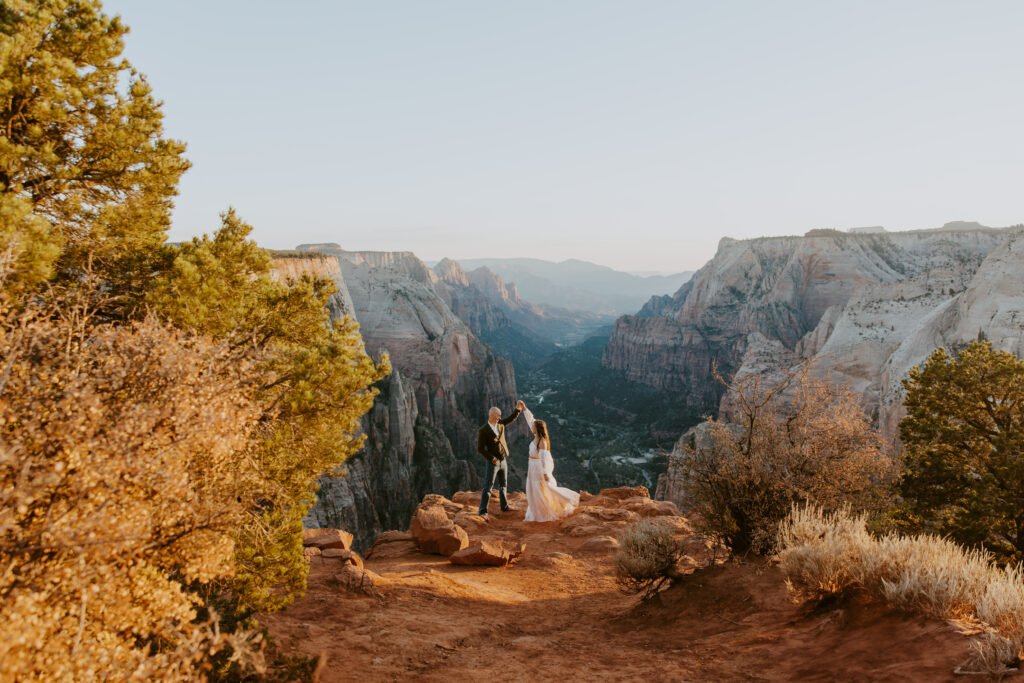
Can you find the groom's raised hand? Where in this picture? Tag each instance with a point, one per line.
(520, 405)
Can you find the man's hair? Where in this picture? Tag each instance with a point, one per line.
(494, 409)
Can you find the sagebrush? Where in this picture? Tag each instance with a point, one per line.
(827, 554)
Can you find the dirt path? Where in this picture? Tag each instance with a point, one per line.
(557, 615)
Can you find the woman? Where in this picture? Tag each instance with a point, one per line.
(546, 501)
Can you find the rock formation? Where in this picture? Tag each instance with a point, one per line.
(848, 300)
(421, 430)
(862, 309)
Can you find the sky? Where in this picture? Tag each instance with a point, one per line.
(635, 134)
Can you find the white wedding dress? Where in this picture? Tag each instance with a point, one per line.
(546, 501)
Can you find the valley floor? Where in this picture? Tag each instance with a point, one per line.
(557, 615)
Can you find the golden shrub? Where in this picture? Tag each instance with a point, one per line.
(120, 482)
(648, 557)
(825, 554)
(796, 440)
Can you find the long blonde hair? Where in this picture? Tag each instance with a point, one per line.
(543, 440)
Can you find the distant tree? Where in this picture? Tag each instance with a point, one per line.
(81, 144)
(795, 440)
(964, 438)
(315, 387)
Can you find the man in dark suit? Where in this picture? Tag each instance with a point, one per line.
(490, 443)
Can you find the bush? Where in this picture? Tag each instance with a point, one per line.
(812, 444)
(648, 557)
(831, 554)
(123, 476)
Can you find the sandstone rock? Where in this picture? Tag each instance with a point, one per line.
(790, 292)
(435, 533)
(624, 492)
(487, 553)
(600, 544)
(600, 501)
(348, 556)
(393, 536)
(327, 538)
(356, 579)
(442, 382)
(466, 497)
(469, 520)
(653, 508)
(613, 514)
(310, 552)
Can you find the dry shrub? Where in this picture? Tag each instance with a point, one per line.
(120, 484)
(648, 557)
(825, 554)
(797, 440)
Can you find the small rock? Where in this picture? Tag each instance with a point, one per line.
(486, 553)
(310, 553)
(600, 544)
(435, 533)
(343, 555)
(623, 492)
(355, 579)
(327, 538)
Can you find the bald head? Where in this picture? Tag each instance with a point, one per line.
(493, 415)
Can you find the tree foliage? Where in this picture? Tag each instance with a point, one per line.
(313, 392)
(165, 411)
(81, 139)
(123, 474)
(964, 438)
(797, 440)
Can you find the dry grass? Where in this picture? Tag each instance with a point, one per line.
(648, 558)
(826, 554)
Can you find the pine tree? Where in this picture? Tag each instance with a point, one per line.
(81, 143)
(964, 437)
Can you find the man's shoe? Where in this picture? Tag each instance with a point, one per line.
(484, 516)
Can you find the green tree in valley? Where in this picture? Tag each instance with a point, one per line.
(964, 437)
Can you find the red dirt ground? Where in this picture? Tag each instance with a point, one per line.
(557, 615)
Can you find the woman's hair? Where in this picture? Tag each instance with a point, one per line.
(543, 440)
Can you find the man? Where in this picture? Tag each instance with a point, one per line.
(490, 443)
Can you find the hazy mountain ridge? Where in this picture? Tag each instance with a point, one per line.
(578, 285)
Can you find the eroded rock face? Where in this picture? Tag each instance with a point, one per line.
(421, 429)
(937, 288)
(848, 298)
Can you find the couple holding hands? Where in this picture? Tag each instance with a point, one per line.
(545, 500)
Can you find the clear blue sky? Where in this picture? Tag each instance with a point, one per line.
(634, 134)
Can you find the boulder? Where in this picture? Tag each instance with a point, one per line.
(624, 492)
(600, 544)
(356, 579)
(466, 497)
(434, 533)
(487, 553)
(652, 508)
(347, 556)
(391, 543)
(327, 538)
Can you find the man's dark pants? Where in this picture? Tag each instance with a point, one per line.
(495, 474)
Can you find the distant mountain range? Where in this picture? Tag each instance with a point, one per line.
(579, 285)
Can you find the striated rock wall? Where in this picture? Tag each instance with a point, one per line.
(793, 292)
(421, 431)
(954, 286)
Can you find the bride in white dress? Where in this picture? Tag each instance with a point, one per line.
(546, 501)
